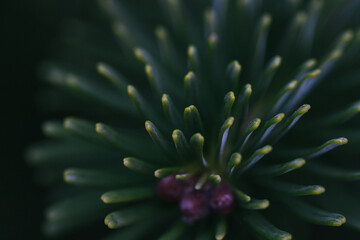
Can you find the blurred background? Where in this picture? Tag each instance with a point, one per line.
(27, 30)
(30, 33)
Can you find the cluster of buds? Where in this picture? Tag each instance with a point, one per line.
(196, 203)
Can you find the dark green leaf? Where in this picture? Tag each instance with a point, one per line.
(127, 195)
(130, 215)
(279, 169)
(265, 229)
(313, 214)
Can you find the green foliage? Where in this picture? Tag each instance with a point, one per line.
(239, 122)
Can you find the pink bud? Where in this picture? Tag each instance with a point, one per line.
(170, 189)
(194, 206)
(222, 199)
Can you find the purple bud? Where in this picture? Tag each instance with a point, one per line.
(194, 206)
(170, 189)
(222, 199)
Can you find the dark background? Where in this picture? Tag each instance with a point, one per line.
(24, 31)
(27, 30)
